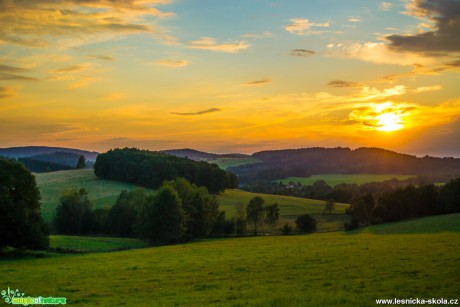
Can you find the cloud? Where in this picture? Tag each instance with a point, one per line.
(428, 88)
(6, 92)
(300, 26)
(302, 52)
(72, 68)
(354, 19)
(209, 43)
(212, 110)
(102, 57)
(342, 83)
(8, 72)
(386, 6)
(114, 96)
(262, 35)
(259, 82)
(172, 63)
(378, 53)
(445, 16)
(38, 23)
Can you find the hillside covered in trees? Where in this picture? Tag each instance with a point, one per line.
(150, 169)
(304, 162)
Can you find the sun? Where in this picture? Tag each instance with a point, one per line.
(388, 122)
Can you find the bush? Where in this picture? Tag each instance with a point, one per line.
(286, 229)
(306, 223)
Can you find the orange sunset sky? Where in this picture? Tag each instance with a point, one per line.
(231, 76)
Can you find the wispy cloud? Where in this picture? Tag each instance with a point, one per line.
(172, 63)
(102, 57)
(354, 19)
(302, 52)
(39, 23)
(8, 72)
(386, 6)
(72, 68)
(6, 92)
(212, 110)
(262, 35)
(342, 83)
(209, 43)
(259, 82)
(301, 26)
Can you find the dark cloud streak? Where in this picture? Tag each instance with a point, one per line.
(212, 110)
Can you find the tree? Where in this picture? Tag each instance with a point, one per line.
(306, 223)
(81, 163)
(255, 211)
(329, 206)
(73, 215)
(124, 217)
(239, 219)
(21, 224)
(163, 220)
(272, 215)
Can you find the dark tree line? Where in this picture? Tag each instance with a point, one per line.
(404, 203)
(150, 169)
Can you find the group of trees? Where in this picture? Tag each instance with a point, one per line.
(150, 169)
(404, 203)
(179, 211)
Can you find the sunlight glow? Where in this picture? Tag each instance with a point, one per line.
(389, 122)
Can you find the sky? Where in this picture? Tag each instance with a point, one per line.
(231, 76)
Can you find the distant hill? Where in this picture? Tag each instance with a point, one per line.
(197, 155)
(304, 162)
(29, 151)
(64, 158)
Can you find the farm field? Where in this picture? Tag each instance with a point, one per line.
(322, 269)
(101, 192)
(225, 163)
(335, 179)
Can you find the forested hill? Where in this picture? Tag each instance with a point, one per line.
(308, 161)
(29, 151)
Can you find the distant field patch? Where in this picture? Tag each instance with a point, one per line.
(335, 179)
(95, 244)
(101, 192)
(225, 163)
(290, 208)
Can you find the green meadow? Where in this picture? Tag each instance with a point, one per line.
(101, 192)
(225, 163)
(335, 179)
(413, 259)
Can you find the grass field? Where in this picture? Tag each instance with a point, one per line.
(225, 163)
(335, 179)
(325, 269)
(290, 208)
(94, 244)
(101, 192)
